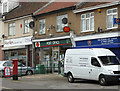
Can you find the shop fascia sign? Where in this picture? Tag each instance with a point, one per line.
(18, 41)
(101, 41)
(55, 42)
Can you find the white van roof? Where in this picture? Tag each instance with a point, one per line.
(90, 51)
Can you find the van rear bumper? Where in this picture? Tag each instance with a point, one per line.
(112, 78)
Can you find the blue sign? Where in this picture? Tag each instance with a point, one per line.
(112, 42)
(116, 20)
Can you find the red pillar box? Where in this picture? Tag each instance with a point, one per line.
(15, 69)
(7, 72)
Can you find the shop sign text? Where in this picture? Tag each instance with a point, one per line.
(18, 41)
(55, 42)
(52, 42)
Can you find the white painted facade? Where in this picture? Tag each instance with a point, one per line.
(1, 32)
(8, 5)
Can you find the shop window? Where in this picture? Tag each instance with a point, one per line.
(22, 56)
(111, 13)
(60, 25)
(87, 22)
(42, 26)
(7, 54)
(21, 52)
(11, 29)
(13, 53)
(26, 26)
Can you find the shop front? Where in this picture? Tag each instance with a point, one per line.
(52, 53)
(19, 48)
(107, 40)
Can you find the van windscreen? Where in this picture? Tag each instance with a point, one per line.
(109, 60)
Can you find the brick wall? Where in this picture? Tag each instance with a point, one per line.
(1, 53)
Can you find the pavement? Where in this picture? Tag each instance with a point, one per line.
(51, 81)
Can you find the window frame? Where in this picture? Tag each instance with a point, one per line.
(112, 17)
(11, 27)
(5, 7)
(96, 61)
(43, 28)
(85, 19)
(60, 17)
(26, 27)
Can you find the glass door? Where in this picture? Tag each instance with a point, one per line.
(55, 59)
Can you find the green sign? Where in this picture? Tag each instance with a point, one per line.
(55, 43)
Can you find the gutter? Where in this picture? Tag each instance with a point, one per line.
(17, 18)
(96, 7)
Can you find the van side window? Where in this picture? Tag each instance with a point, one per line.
(95, 62)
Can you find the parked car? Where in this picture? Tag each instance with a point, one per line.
(22, 69)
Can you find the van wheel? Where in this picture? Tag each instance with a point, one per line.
(102, 81)
(70, 78)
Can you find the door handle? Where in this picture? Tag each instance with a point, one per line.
(90, 69)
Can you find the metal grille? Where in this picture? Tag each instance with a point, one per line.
(116, 72)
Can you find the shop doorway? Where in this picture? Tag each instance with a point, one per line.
(55, 59)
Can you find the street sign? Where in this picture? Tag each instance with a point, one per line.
(7, 72)
(116, 20)
(66, 29)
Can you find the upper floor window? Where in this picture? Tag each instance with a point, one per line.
(87, 22)
(26, 26)
(11, 29)
(60, 25)
(42, 26)
(111, 13)
(5, 7)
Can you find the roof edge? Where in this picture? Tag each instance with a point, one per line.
(55, 11)
(96, 7)
(43, 7)
(21, 17)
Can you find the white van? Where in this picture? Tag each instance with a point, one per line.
(92, 64)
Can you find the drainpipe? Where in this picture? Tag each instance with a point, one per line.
(33, 47)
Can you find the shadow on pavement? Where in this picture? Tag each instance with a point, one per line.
(96, 82)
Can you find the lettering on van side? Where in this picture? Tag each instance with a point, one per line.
(83, 62)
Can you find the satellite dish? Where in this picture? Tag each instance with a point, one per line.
(31, 24)
(64, 20)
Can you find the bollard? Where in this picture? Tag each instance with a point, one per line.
(15, 69)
